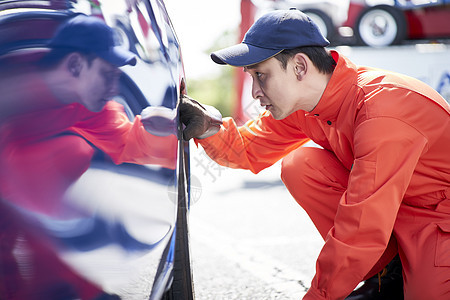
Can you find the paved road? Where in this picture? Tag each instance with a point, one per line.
(249, 238)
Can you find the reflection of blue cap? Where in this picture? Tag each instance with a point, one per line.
(269, 35)
(91, 34)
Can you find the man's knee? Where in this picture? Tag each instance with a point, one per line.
(315, 174)
(308, 163)
(297, 163)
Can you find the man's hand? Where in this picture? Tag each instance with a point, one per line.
(201, 120)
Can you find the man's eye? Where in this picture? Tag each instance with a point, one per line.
(261, 76)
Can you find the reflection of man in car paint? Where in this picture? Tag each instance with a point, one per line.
(380, 185)
(52, 114)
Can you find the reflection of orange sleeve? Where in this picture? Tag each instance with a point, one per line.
(124, 141)
(144, 148)
(256, 145)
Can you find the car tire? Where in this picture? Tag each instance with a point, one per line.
(323, 21)
(381, 26)
(182, 283)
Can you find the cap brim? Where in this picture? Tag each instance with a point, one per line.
(119, 56)
(242, 55)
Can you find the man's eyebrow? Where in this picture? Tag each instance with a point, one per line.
(251, 67)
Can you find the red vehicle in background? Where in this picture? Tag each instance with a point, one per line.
(381, 23)
(375, 23)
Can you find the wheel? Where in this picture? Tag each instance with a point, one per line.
(323, 21)
(182, 284)
(381, 26)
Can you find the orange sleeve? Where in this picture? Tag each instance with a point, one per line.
(256, 145)
(385, 160)
(125, 141)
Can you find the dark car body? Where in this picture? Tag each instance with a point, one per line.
(120, 231)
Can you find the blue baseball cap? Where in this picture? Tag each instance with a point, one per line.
(269, 35)
(91, 34)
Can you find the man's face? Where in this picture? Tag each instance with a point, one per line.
(276, 88)
(99, 82)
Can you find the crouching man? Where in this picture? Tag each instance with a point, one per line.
(379, 184)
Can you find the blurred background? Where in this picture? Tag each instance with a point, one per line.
(203, 26)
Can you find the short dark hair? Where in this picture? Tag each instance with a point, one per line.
(56, 55)
(320, 57)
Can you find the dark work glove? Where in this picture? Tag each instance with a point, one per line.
(201, 120)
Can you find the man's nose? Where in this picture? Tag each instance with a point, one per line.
(256, 90)
(113, 88)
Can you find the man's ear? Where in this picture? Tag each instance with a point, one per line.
(300, 65)
(74, 64)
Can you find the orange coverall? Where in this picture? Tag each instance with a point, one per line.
(379, 186)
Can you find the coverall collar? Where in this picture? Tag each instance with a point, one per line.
(344, 76)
